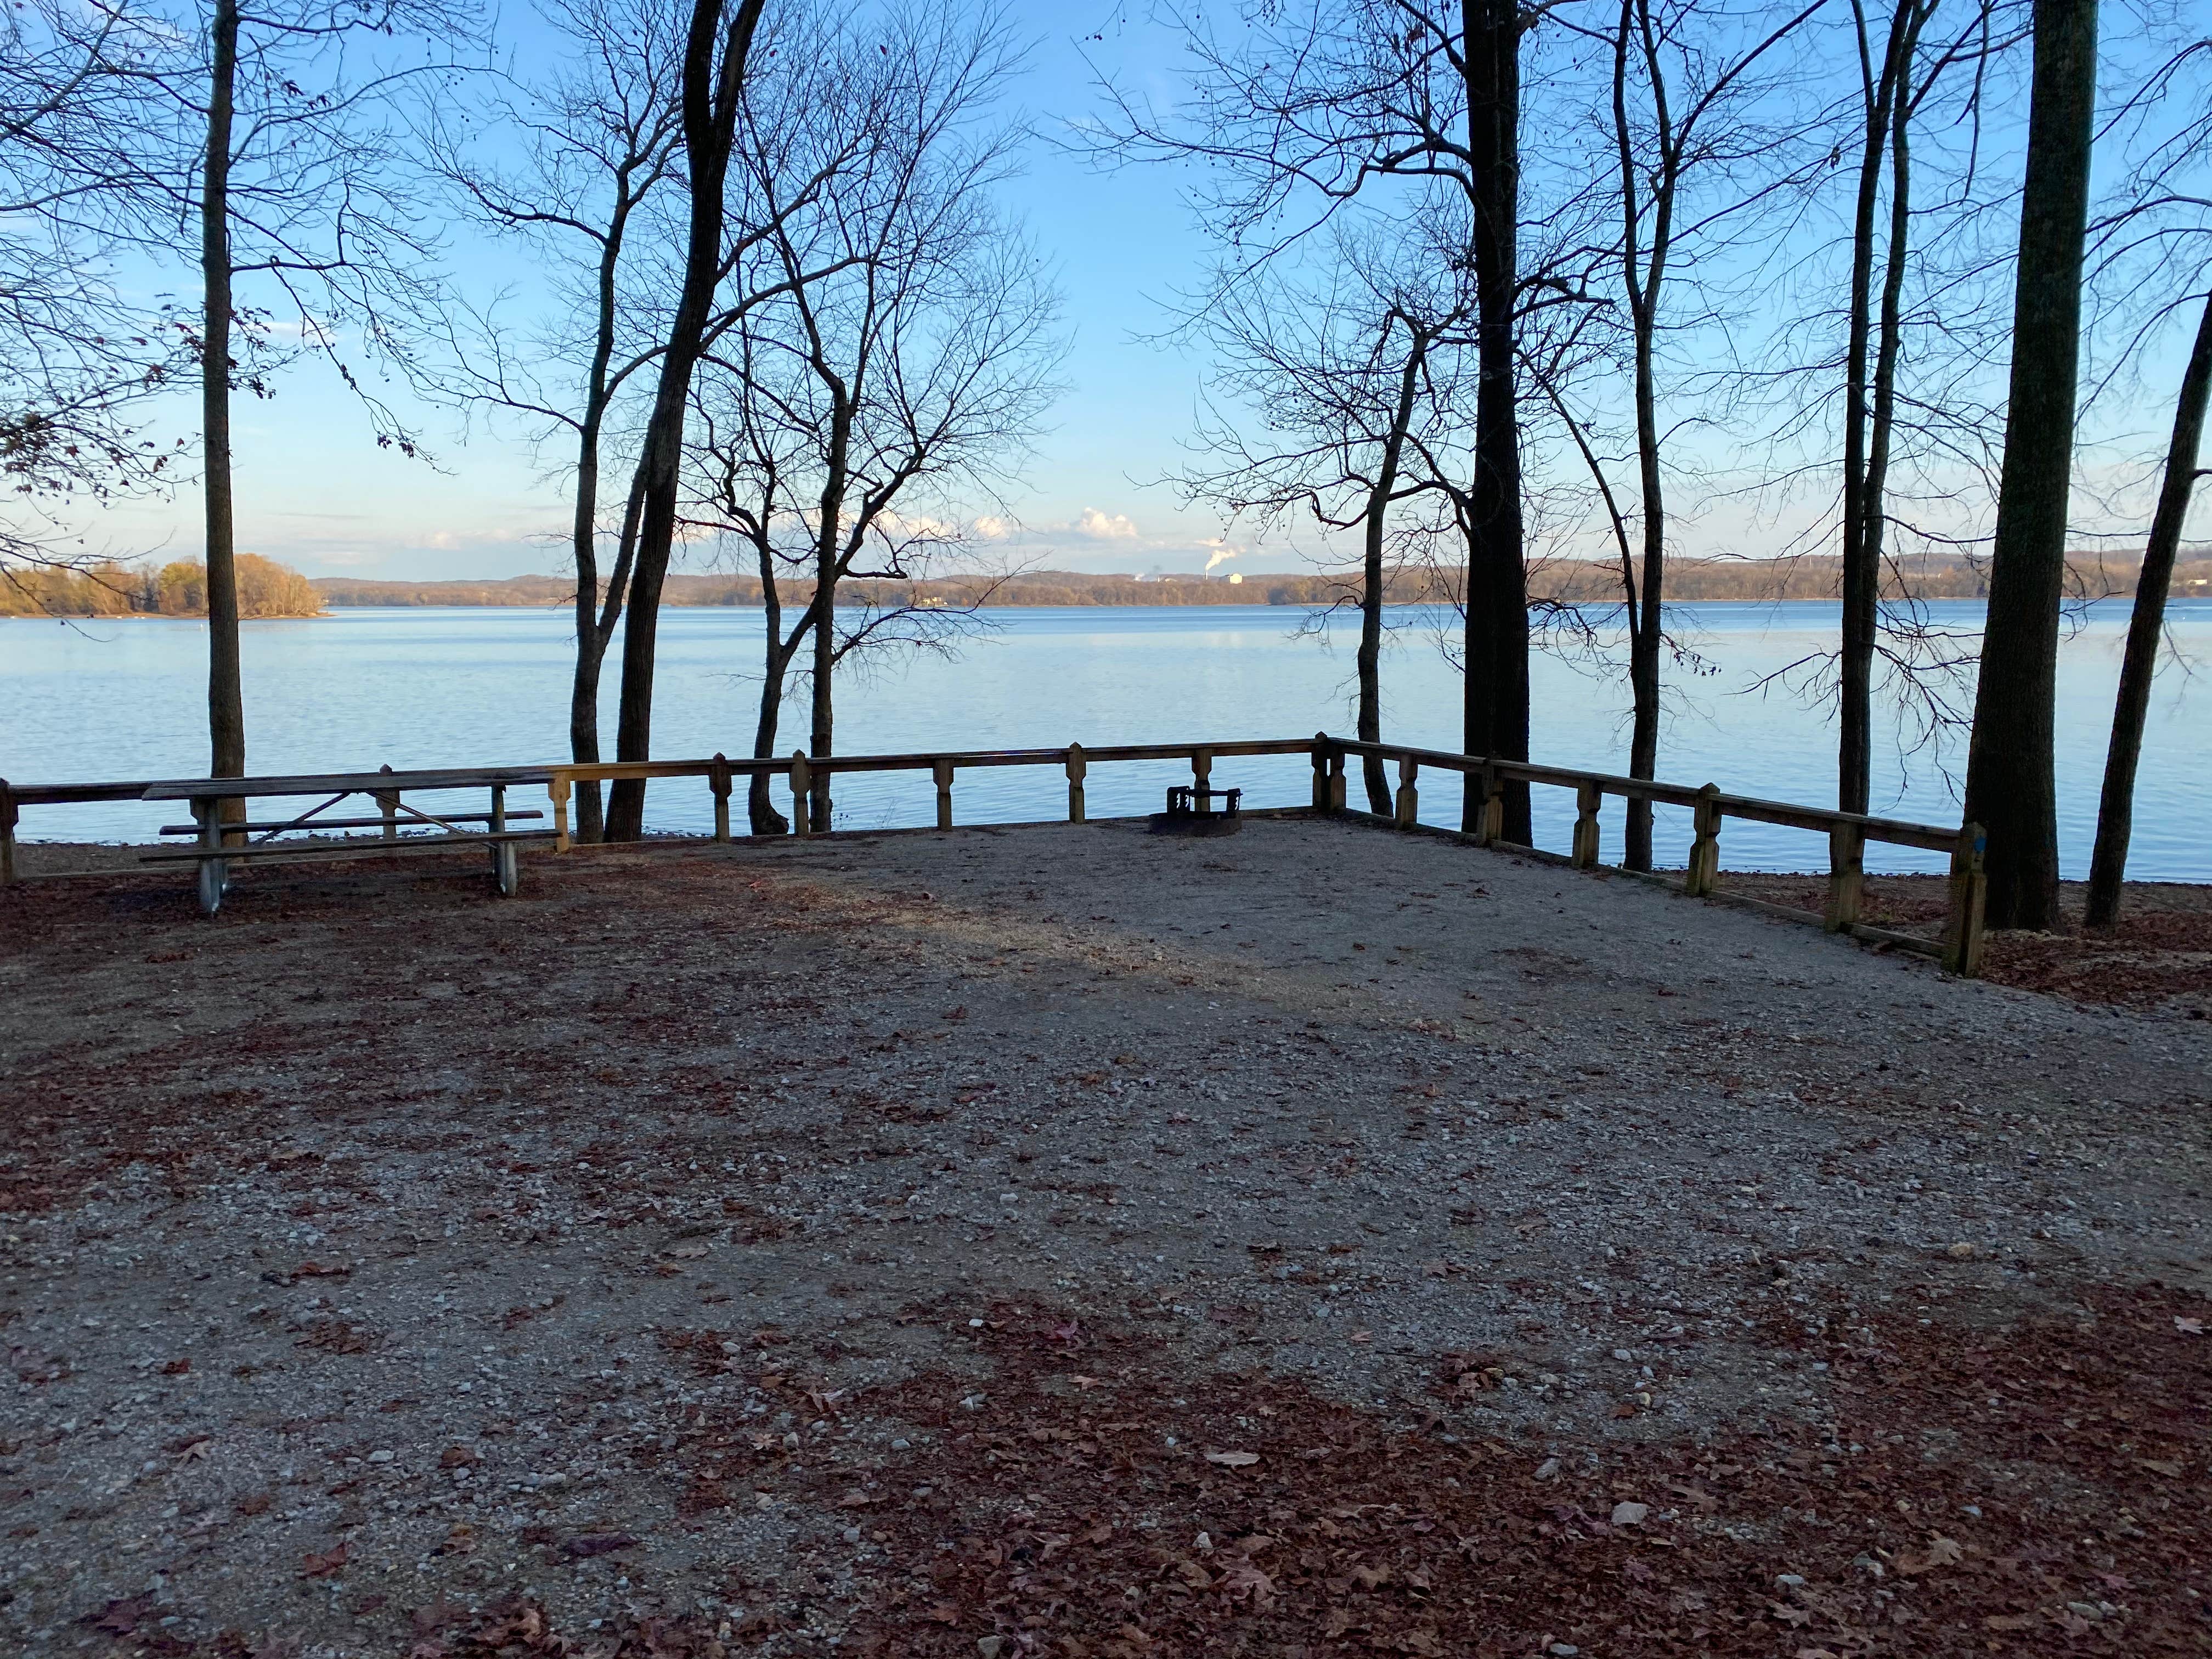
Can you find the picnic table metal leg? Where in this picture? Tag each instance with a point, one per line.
(506, 856)
(215, 872)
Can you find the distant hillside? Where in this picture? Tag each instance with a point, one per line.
(1564, 582)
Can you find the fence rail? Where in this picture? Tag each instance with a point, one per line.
(810, 779)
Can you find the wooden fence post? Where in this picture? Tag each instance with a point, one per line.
(387, 802)
(1588, 799)
(1962, 932)
(802, 787)
(1491, 829)
(1201, 768)
(1704, 871)
(1335, 779)
(10, 814)
(1078, 768)
(941, 772)
(557, 787)
(718, 779)
(1320, 752)
(1846, 877)
(1409, 799)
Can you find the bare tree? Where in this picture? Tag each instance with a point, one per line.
(2116, 803)
(2011, 789)
(1341, 371)
(2164, 218)
(1887, 98)
(717, 47)
(265, 138)
(903, 363)
(601, 163)
(295, 183)
(1683, 93)
(79, 361)
(594, 145)
(1313, 105)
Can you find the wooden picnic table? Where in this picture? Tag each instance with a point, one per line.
(214, 857)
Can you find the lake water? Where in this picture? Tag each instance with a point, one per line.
(419, 688)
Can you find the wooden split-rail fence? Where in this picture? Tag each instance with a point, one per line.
(1482, 816)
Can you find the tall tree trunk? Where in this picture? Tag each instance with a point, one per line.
(760, 806)
(595, 631)
(1497, 658)
(1860, 577)
(584, 684)
(822, 739)
(710, 111)
(1870, 395)
(1375, 523)
(1642, 274)
(776, 652)
(2116, 807)
(593, 634)
(821, 735)
(2011, 791)
(226, 701)
(1874, 495)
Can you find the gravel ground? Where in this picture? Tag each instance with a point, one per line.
(1068, 1241)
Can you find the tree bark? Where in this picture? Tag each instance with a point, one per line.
(2011, 790)
(1374, 522)
(1870, 393)
(595, 631)
(596, 614)
(1861, 578)
(1642, 274)
(821, 735)
(710, 111)
(822, 739)
(760, 807)
(2115, 806)
(226, 701)
(1496, 712)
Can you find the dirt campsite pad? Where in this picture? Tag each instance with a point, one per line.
(1066, 1241)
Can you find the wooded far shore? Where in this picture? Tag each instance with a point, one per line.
(2091, 576)
(269, 590)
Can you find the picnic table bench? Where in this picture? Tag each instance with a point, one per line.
(216, 847)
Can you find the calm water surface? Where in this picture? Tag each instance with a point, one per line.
(462, 687)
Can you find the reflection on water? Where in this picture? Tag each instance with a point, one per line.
(441, 687)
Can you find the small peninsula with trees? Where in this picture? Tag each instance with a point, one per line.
(267, 591)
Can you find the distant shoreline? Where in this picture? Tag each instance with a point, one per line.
(1689, 581)
(281, 594)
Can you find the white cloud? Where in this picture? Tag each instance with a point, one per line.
(1106, 527)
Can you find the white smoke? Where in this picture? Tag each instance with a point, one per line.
(1220, 554)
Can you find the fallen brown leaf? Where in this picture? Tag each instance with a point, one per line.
(598, 1543)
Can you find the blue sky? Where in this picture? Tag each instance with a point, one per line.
(315, 491)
